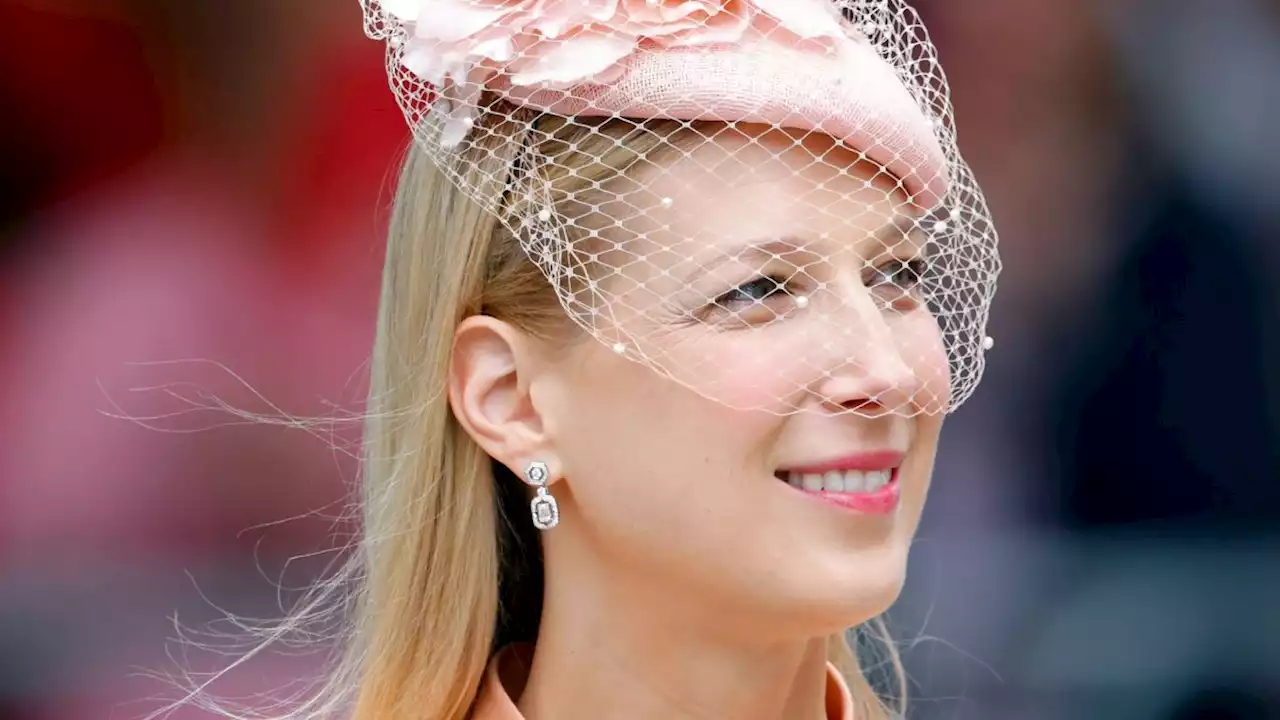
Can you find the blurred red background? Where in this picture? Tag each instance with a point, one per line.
(192, 199)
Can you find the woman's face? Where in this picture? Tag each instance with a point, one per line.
(756, 481)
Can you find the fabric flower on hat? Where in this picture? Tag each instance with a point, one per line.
(463, 46)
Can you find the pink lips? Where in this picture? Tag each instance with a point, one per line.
(882, 501)
(877, 460)
(878, 502)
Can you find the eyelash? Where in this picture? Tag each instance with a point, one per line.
(904, 276)
(771, 285)
(913, 269)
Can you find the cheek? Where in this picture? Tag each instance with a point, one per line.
(623, 408)
(771, 368)
(920, 344)
(753, 371)
(918, 470)
(649, 461)
(762, 369)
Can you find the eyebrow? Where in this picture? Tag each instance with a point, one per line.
(776, 247)
(901, 225)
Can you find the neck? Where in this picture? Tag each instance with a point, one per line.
(615, 651)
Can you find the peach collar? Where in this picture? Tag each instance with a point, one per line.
(505, 677)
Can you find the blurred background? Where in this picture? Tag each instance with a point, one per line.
(192, 195)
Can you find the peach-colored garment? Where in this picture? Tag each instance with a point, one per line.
(504, 681)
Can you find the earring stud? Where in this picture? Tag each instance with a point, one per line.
(543, 507)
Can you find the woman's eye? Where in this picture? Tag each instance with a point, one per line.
(751, 293)
(903, 274)
(896, 279)
(753, 303)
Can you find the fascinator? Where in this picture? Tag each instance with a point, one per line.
(861, 75)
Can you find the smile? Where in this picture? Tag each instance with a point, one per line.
(853, 481)
(865, 483)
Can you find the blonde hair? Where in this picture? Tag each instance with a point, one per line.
(449, 567)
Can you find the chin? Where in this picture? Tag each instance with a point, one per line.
(846, 593)
(863, 601)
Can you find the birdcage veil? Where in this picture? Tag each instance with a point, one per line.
(823, 89)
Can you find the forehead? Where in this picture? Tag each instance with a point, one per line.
(741, 184)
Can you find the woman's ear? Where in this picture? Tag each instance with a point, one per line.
(489, 378)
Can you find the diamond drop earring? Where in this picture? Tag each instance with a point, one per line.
(545, 511)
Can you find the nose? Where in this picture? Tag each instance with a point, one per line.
(866, 371)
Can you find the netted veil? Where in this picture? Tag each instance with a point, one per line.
(824, 88)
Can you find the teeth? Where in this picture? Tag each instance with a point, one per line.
(877, 479)
(848, 481)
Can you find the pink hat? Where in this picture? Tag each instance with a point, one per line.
(788, 63)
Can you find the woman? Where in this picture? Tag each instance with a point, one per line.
(676, 296)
